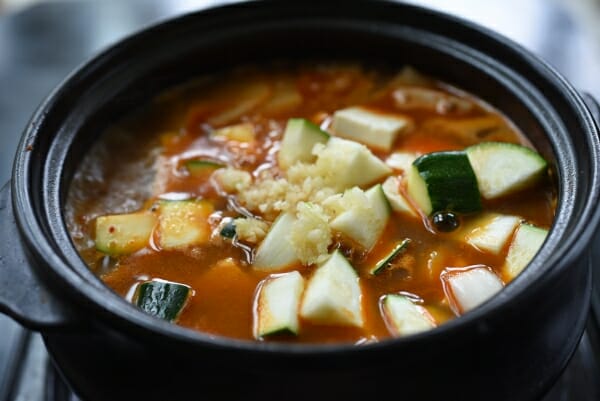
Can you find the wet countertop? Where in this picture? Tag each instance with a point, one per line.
(41, 44)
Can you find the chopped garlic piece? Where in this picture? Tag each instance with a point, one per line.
(232, 180)
(250, 230)
(310, 234)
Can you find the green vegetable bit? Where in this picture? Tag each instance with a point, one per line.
(162, 299)
(389, 258)
(228, 230)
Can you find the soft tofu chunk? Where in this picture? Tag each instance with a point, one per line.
(401, 160)
(469, 287)
(373, 129)
(333, 295)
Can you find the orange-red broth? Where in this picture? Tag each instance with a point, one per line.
(141, 158)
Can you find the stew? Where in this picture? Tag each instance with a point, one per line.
(325, 202)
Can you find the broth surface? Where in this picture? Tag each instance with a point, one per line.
(141, 159)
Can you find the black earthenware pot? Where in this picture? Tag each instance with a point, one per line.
(511, 348)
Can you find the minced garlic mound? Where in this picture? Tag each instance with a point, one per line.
(353, 198)
(312, 192)
(270, 195)
(233, 180)
(250, 230)
(310, 234)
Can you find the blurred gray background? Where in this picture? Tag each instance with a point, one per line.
(41, 41)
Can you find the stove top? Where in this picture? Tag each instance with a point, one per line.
(41, 44)
(31, 375)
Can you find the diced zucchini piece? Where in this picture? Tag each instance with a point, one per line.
(184, 223)
(275, 251)
(202, 167)
(525, 244)
(502, 168)
(243, 132)
(401, 161)
(333, 294)
(364, 223)
(228, 229)
(391, 188)
(163, 299)
(277, 304)
(120, 234)
(403, 317)
(389, 258)
(373, 129)
(444, 181)
(299, 138)
(354, 164)
(491, 232)
(468, 288)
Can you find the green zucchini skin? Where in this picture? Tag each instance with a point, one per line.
(228, 230)
(162, 299)
(450, 180)
(201, 167)
(383, 264)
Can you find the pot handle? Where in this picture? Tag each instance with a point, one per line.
(22, 295)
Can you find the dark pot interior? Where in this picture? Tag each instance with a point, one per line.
(512, 347)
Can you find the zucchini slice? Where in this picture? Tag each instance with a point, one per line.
(364, 223)
(467, 288)
(526, 243)
(503, 168)
(389, 258)
(373, 129)
(228, 229)
(403, 317)
(243, 132)
(277, 304)
(275, 252)
(184, 223)
(163, 299)
(333, 294)
(120, 234)
(202, 167)
(491, 232)
(391, 188)
(299, 138)
(444, 181)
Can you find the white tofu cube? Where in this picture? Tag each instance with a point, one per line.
(376, 130)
